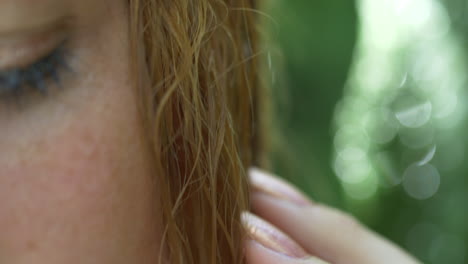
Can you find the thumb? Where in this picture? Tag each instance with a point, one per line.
(268, 245)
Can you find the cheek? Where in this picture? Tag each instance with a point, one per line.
(63, 178)
(75, 175)
(78, 162)
(80, 188)
(76, 186)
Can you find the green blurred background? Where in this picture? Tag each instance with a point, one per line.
(371, 104)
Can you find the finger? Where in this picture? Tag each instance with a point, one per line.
(258, 254)
(268, 245)
(328, 233)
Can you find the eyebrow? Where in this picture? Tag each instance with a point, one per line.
(53, 25)
(24, 16)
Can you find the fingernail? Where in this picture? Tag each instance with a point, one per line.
(270, 185)
(270, 237)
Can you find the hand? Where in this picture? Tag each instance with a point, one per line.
(311, 233)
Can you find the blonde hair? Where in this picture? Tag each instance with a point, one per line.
(197, 63)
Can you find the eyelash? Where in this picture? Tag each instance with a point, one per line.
(36, 75)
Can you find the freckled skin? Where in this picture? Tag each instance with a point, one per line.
(75, 176)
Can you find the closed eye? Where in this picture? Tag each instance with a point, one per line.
(37, 76)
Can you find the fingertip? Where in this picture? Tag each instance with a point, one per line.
(271, 237)
(258, 254)
(269, 184)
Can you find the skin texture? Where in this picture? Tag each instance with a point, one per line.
(74, 170)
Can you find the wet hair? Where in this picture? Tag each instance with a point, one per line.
(197, 63)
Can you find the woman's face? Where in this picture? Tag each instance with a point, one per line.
(75, 184)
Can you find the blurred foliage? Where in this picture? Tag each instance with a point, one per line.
(316, 42)
(371, 104)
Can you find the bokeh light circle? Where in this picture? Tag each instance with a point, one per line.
(421, 182)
